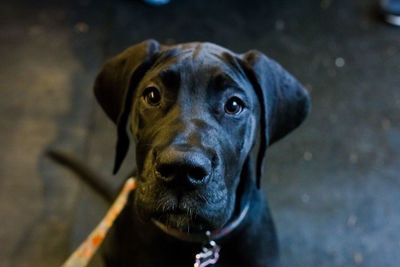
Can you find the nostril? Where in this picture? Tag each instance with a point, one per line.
(197, 174)
(198, 168)
(166, 171)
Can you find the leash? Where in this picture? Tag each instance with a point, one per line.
(210, 249)
(84, 253)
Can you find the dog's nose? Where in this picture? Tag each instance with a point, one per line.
(183, 166)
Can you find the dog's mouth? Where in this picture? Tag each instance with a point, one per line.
(181, 205)
(188, 210)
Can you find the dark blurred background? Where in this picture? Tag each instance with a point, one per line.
(333, 185)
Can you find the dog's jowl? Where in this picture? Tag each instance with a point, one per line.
(200, 117)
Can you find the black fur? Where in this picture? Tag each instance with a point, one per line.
(194, 160)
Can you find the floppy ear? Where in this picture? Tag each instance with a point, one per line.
(284, 101)
(114, 87)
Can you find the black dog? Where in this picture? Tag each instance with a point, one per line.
(194, 111)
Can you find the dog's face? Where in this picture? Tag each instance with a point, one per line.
(193, 111)
(193, 119)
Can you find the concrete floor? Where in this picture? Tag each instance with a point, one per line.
(333, 185)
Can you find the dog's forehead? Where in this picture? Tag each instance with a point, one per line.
(201, 61)
(199, 50)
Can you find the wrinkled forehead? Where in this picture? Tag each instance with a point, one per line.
(198, 62)
(201, 53)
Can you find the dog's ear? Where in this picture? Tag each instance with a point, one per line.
(114, 88)
(284, 101)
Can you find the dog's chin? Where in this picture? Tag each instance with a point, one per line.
(180, 220)
(183, 222)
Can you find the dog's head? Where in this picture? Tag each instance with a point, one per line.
(194, 111)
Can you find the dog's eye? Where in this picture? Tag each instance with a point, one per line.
(152, 96)
(234, 106)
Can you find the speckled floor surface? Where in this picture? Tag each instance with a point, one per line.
(333, 185)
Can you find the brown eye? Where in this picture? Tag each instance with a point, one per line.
(234, 106)
(152, 96)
